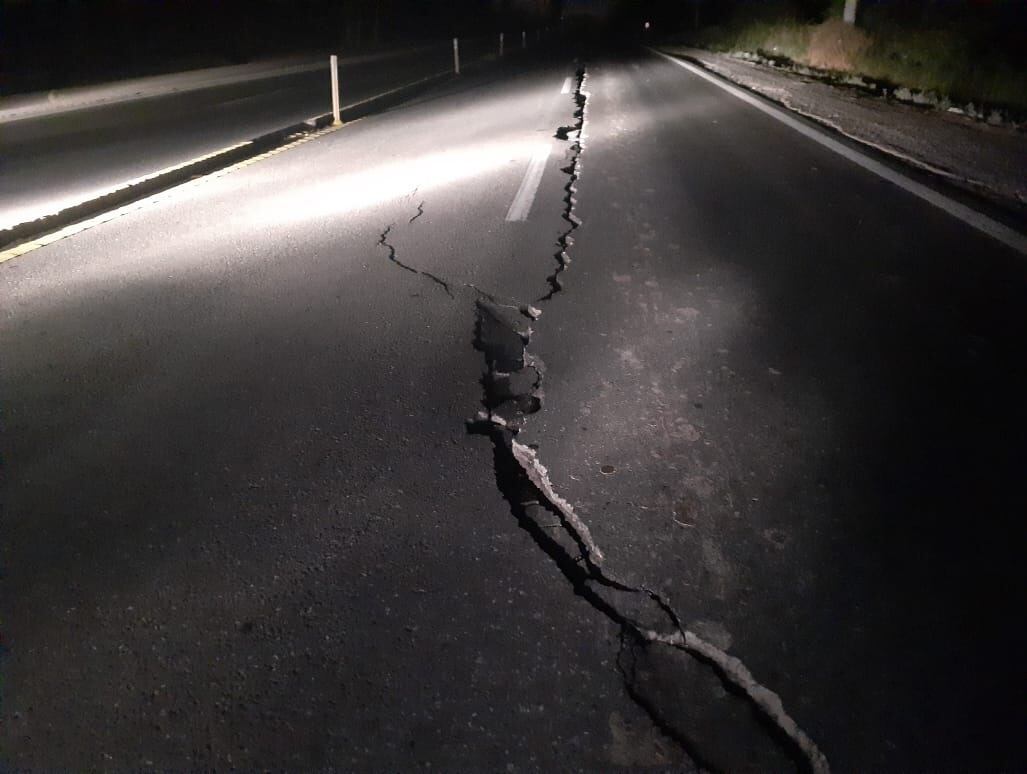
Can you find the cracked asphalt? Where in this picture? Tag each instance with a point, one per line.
(315, 465)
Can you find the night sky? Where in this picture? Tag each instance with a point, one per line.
(54, 43)
(51, 44)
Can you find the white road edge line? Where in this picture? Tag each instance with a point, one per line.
(566, 86)
(1004, 234)
(525, 197)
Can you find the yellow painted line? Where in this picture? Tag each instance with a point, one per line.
(104, 217)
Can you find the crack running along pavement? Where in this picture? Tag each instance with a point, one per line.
(573, 172)
(512, 391)
(383, 241)
(527, 310)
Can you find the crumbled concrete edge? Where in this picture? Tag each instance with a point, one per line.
(527, 458)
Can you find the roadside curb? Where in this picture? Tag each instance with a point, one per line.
(162, 180)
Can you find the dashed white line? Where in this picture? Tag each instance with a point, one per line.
(521, 205)
(981, 222)
(566, 86)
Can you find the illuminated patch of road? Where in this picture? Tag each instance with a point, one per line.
(520, 208)
(150, 201)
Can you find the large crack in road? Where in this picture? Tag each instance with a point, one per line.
(573, 172)
(512, 392)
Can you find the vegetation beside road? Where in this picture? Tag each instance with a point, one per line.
(967, 54)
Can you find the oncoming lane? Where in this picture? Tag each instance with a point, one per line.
(239, 478)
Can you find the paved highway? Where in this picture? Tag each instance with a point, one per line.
(263, 506)
(51, 161)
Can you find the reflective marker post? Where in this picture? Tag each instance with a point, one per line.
(500, 43)
(336, 118)
(456, 55)
(524, 39)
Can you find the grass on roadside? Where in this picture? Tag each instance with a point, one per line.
(941, 60)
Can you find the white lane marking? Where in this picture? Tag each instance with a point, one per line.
(521, 205)
(1001, 232)
(566, 86)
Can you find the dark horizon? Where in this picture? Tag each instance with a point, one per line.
(49, 44)
(53, 44)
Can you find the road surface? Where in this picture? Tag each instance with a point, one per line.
(261, 510)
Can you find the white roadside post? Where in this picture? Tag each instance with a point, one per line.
(849, 11)
(456, 55)
(500, 43)
(524, 39)
(336, 118)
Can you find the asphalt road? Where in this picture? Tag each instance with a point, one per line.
(53, 161)
(247, 522)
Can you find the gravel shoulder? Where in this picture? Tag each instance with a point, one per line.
(987, 160)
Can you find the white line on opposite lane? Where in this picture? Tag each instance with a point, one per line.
(525, 197)
(566, 86)
(981, 222)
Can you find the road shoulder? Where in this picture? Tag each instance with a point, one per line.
(986, 160)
